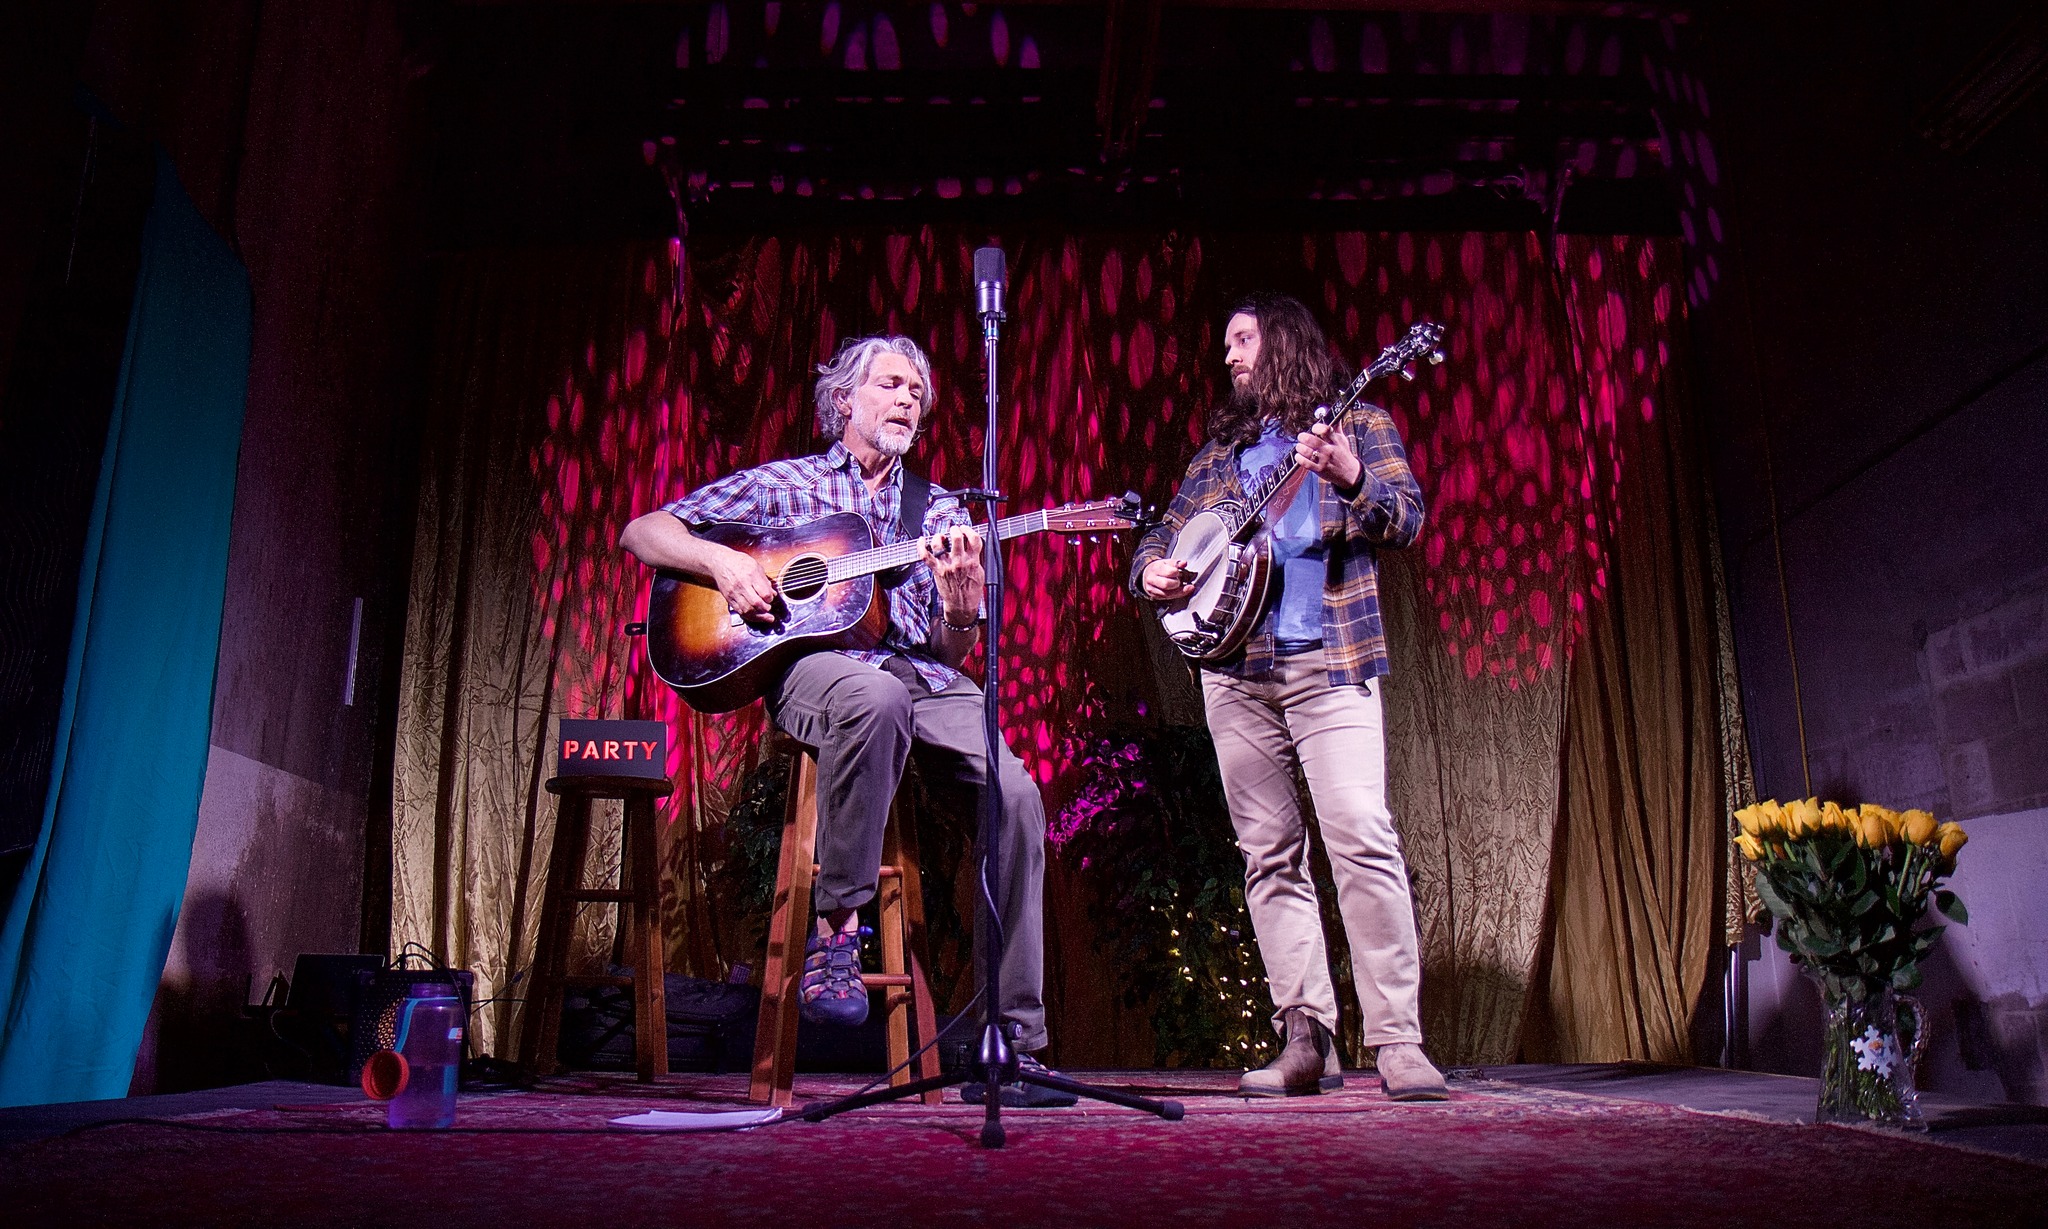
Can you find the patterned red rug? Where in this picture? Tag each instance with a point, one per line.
(1493, 1154)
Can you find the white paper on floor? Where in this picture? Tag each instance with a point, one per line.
(722, 1120)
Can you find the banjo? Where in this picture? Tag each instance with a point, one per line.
(1228, 545)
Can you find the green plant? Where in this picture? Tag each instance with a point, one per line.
(1149, 828)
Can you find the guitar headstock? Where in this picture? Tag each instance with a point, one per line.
(1094, 517)
(1420, 342)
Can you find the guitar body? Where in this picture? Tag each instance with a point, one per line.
(1232, 582)
(718, 661)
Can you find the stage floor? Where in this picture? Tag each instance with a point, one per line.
(1618, 1144)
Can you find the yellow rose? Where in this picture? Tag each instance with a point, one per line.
(1802, 817)
(1833, 818)
(1751, 848)
(1885, 816)
(1952, 838)
(1919, 826)
(1750, 819)
(1871, 831)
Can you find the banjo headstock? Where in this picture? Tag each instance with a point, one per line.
(1422, 341)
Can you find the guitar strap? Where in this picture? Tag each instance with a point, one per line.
(910, 507)
(917, 496)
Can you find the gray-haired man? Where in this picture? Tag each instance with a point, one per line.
(867, 711)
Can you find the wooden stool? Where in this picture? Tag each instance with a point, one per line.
(640, 866)
(900, 896)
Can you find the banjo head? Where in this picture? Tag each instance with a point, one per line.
(1205, 544)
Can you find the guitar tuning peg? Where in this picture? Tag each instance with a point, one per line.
(1407, 374)
(1435, 357)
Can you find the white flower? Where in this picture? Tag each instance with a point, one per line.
(1875, 1051)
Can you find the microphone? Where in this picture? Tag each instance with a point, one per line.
(991, 276)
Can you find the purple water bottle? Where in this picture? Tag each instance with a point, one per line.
(430, 1030)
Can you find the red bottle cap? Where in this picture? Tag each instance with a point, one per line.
(385, 1074)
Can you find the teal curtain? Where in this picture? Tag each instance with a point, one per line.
(89, 923)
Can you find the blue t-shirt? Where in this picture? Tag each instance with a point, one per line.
(1296, 615)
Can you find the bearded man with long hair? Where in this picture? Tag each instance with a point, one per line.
(1304, 694)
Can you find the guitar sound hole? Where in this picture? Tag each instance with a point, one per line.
(804, 578)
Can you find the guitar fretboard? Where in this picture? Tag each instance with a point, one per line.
(899, 554)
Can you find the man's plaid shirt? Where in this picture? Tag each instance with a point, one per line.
(1385, 511)
(796, 491)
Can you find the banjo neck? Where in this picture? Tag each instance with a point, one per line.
(1287, 477)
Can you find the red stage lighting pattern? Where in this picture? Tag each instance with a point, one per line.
(1111, 359)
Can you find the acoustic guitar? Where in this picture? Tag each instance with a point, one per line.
(1228, 545)
(824, 573)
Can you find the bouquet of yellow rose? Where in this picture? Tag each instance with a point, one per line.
(1845, 888)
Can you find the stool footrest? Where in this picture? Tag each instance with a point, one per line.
(885, 979)
(886, 872)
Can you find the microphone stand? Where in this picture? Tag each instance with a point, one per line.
(995, 1061)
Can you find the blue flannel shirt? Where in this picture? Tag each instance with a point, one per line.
(803, 489)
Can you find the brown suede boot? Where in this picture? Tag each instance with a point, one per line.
(1307, 1065)
(1407, 1074)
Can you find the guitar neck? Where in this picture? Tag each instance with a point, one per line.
(900, 554)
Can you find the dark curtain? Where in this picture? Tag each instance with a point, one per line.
(574, 390)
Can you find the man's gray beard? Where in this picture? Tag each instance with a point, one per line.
(897, 448)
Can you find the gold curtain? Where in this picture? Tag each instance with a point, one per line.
(491, 660)
(1472, 770)
(1636, 879)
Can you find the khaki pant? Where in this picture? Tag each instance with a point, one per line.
(1262, 730)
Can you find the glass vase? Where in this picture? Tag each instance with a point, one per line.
(1872, 1045)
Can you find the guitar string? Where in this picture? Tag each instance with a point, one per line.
(896, 554)
(803, 572)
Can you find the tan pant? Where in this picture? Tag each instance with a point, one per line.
(1262, 729)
